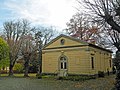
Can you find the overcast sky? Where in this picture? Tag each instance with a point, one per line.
(39, 12)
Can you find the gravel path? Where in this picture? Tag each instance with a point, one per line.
(7, 83)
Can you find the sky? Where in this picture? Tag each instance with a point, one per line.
(39, 12)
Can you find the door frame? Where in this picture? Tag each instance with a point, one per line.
(63, 59)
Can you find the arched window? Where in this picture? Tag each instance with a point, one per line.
(63, 62)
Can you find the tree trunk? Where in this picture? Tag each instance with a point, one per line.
(40, 61)
(12, 63)
(26, 67)
(11, 70)
(39, 73)
(39, 69)
(112, 23)
(26, 71)
(117, 84)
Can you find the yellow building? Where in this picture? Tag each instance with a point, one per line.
(65, 55)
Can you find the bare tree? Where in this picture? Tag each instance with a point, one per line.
(109, 39)
(21, 39)
(42, 36)
(39, 44)
(107, 12)
(47, 34)
(28, 48)
(33, 43)
(14, 32)
(82, 27)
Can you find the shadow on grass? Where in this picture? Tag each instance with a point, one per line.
(31, 76)
(18, 76)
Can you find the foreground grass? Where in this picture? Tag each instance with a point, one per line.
(48, 83)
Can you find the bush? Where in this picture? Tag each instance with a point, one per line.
(39, 76)
(18, 68)
(3, 72)
(76, 78)
(101, 74)
(33, 69)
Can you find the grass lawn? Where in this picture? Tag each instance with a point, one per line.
(18, 75)
(16, 83)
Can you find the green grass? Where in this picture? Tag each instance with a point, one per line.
(49, 83)
(15, 83)
(19, 75)
(31, 75)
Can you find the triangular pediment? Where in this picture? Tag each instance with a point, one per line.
(64, 41)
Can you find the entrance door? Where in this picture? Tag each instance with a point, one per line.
(63, 66)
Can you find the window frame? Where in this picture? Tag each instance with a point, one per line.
(92, 63)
